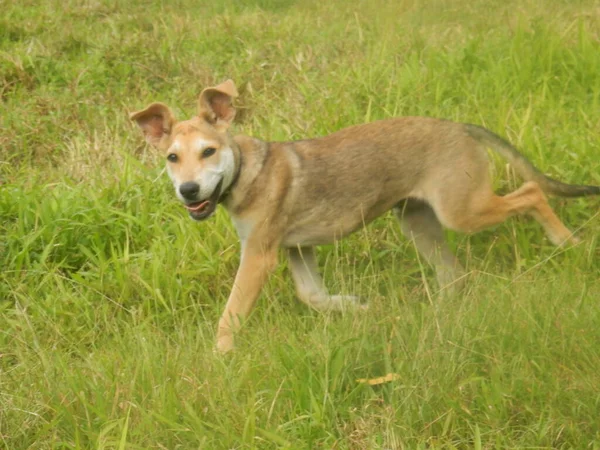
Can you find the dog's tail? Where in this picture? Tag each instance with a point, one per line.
(524, 168)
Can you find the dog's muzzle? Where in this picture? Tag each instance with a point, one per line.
(200, 210)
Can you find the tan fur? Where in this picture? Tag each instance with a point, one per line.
(432, 173)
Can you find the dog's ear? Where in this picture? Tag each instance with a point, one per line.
(215, 104)
(156, 122)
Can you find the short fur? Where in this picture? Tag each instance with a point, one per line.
(433, 173)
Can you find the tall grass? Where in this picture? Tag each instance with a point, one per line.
(109, 294)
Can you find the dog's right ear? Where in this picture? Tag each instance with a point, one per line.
(156, 122)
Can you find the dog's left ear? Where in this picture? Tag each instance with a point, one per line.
(215, 104)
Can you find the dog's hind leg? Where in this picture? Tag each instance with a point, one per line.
(487, 209)
(309, 284)
(420, 224)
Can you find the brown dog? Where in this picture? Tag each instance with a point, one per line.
(432, 173)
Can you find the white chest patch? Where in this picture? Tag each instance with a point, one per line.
(243, 227)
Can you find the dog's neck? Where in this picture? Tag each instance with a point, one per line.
(239, 161)
(250, 156)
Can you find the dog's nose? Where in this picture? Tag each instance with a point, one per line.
(189, 190)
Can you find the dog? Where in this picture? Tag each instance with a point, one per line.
(432, 173)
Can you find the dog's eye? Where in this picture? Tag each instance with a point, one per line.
(172, 157)
(208, 152)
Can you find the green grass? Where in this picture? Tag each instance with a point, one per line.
(109, 294)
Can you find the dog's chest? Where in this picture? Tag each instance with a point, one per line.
(243, 227)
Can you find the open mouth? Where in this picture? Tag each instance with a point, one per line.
(204, 209)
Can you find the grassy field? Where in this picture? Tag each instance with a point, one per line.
(109, 294)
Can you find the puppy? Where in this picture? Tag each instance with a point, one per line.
(432, 173)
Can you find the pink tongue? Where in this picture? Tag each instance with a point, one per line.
(197, 207)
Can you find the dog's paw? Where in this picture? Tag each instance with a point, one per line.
(332, 303)
(224, 344)
(565, 240)
(346, 303)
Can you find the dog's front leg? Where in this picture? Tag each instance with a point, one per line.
(255, 266)
(309, 285)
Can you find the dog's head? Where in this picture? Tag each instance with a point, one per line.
(200, 153)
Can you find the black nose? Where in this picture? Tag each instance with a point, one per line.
(189, 190)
